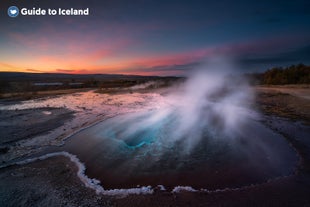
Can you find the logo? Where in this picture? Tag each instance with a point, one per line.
(13, 11)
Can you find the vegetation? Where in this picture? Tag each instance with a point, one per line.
(30, 84)
(295, 74)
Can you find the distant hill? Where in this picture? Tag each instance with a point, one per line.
(19, 76)
(25, 82)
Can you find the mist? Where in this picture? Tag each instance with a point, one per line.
(211, 98)
(204, 125)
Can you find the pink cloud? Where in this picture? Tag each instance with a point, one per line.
(41, 43)
(69, 45)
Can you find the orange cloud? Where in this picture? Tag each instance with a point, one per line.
(7, 67)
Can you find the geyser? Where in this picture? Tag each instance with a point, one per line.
(204, 135)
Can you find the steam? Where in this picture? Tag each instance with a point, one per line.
(211, 104)
(144, 85)
(210, 98)
(206, 121)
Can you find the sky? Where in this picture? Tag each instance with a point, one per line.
(154, 37)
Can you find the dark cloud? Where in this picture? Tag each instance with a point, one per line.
(300, 55)
(177, 69)
(180, 67)
(65, 70)
(34, 70)
(155, 27)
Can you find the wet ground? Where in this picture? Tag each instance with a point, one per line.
(124, 158)
(53, 182)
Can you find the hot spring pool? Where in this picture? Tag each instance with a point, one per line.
(129, 150)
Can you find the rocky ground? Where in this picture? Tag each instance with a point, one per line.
(27, 126)
(20, 126)
(53, 181)
(16, 125)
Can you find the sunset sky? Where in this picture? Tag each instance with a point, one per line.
(154, 37)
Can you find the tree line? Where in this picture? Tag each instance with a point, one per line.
(295, 74)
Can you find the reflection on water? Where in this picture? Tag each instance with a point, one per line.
(130, 150)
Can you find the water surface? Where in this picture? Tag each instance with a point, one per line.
(122, 155)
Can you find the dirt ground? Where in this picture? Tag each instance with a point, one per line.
(53, 182)
(292, 103)
(20, 125)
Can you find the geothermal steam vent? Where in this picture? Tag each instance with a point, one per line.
(204, 136)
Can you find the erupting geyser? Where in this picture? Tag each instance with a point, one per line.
(204, 135)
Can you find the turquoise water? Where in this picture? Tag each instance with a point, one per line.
(139, 137)
(138, 149)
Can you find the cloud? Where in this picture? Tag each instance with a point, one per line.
(98, 55)
(5, 66)
(82, 71)
(177, 69)
(68, 46)
(180, 67)
(34, 70)
(272, 45)
(65, 71)
(262, 62)
(94, 53)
